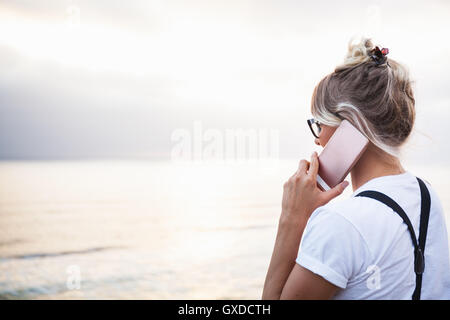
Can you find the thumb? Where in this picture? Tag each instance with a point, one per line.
(334, 192)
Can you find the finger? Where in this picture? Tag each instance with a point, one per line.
(302, 167)
(334, 192)
(314, 167)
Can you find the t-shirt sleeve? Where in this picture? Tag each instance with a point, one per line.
(332, 247)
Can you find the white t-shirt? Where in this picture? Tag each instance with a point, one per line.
(362, 246)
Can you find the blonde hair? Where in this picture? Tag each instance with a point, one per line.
(376, 98)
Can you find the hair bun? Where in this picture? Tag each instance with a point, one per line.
(358, 52)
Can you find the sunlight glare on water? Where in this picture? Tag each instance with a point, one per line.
(143, 230)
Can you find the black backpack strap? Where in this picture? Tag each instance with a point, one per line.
(419, 246)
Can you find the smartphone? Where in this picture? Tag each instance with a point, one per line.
(341, 153)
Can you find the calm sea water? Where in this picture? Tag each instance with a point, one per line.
(144, 230)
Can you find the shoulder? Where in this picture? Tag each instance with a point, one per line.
(348, 220)
(333, 247)
(356, 211)
(363, 218)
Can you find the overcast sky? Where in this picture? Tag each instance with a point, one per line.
(116, 78)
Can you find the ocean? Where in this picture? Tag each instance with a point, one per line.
(145, 229)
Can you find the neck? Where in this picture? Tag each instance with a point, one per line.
(374, 163)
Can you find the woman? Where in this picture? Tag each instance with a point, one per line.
(359, 248)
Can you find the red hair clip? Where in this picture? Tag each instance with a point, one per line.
(379, 56)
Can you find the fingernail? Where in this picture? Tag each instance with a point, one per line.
(345, 184)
